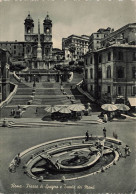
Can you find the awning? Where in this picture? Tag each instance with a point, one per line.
(132, 101)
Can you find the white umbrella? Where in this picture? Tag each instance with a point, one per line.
(77, 107)
(52, 109)
(65, 110)
(109, 107)
(122, 107)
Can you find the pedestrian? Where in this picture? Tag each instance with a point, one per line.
(12, 168)
(36, 111)
(14, 112)
(127, 151)
(104, 132)
(105, 118)
(115, 135)
(18, 159)
(87, 135)
(11, 112)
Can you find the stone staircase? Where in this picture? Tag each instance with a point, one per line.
(50, 95)
(46, 93)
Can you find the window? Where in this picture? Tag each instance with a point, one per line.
(120, 56)
(120, 72)
(86, 61)
(119, 90)
(91, 73)
(108, 89)
(100, 58)
(99, 73)
(133, 90)
(28, 30)
(133, 72)
(134, 56)
(97, 35)
(86, 72)
(35, 65)
(97, 41)
(109, 72)
(91, 60)
(14, 46)
(109, 56)
(47, 30)
(91, 88)
(122, 35)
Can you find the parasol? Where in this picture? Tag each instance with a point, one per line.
(109, 107)
(65, 110)
(76, 107)
(122, 107)
(52, 109)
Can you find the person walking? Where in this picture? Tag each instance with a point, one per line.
(87, 135)
(104, 132)
(36, 111)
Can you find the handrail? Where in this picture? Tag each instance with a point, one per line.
(16, 76)
(78, 84)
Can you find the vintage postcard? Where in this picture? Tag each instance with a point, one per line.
(67, 96)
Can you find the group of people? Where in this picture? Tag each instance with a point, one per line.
(16, 113)
(126, 148)
(87, 134)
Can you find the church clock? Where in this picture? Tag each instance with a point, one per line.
(28, 38)
(47, 38)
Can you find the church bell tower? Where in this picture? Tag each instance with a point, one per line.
(29, 28)
(47, 30)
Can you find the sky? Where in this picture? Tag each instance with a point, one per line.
(68, 16)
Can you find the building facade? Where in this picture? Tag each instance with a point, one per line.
(110, 71)
(95, 38)
(4, 74)
(75, 47)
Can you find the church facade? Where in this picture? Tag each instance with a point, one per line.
(36, 49)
